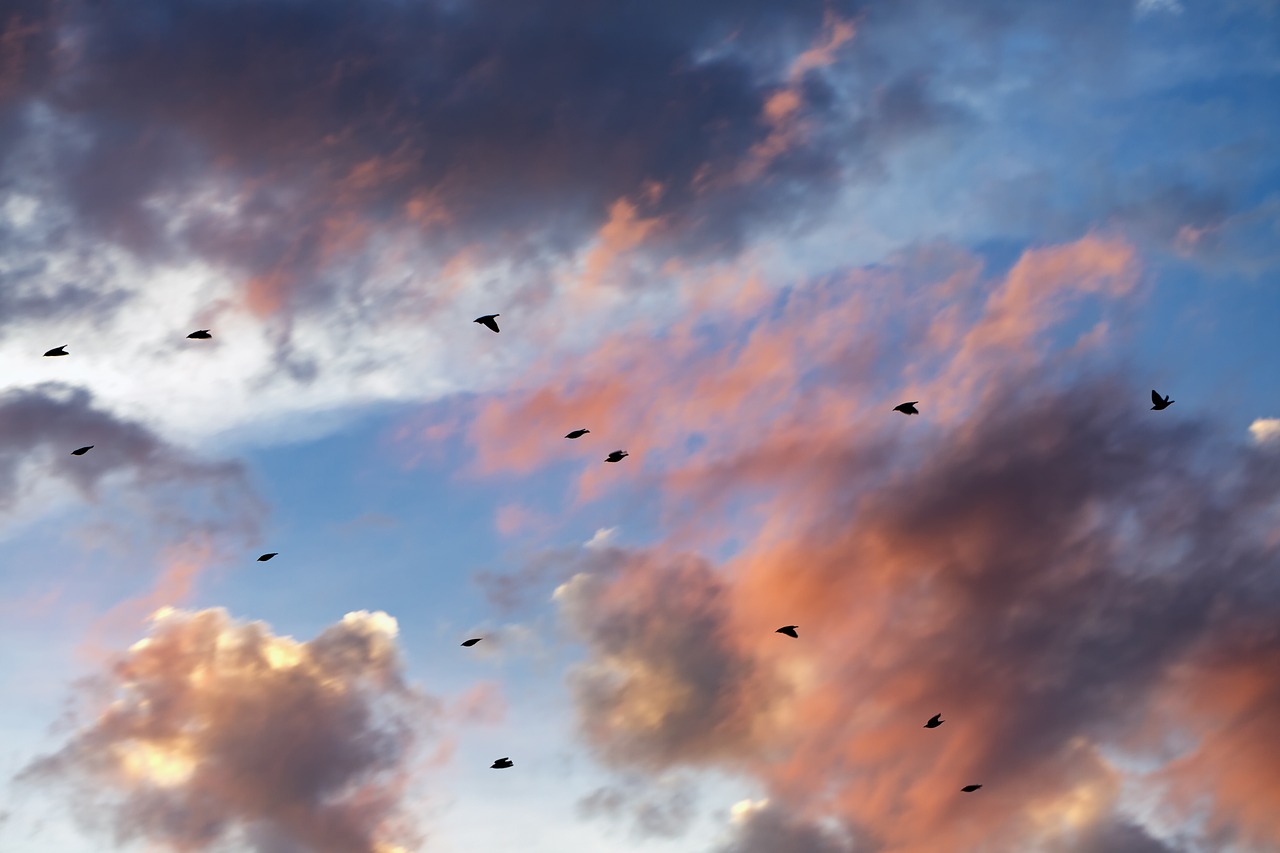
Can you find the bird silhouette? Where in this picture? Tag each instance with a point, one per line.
(200, 335)
(969, 789)
(488, 320)
(266, 557)
(907, 408)
(472, 642)
(81, 451)
(789, 630)
(617, 456)
(501, 764)
(578, 433)
(62, 350)
(934, 721)
(1159, 403)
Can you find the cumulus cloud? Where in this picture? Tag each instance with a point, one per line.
(214, 732)
(1069, 581)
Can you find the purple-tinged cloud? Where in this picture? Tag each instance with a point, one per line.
(216, 732)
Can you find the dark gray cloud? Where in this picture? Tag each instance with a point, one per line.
(183, 494)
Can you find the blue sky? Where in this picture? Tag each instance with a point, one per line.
(727, 237)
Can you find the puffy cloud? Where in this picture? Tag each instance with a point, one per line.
(1265, 430)
(216, 732)
(1076, 586)
(667, 682)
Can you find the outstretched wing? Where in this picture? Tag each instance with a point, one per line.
(1155, 397)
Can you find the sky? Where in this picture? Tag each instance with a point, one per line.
(727, 237)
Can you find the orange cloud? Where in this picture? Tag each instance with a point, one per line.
(216, 732)
(1029, 557)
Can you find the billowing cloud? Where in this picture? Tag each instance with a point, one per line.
(1074, 584)
(214, 732)
(668, 683)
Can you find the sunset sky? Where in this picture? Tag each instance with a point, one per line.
(727, 237)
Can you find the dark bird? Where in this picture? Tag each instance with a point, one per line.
(266, 557)
(472, 642)
(617, 456)
(969, 789)
(1156, 400)
(789, 630)
(501, 764)
(488, 320)
(934, 721)
(578, 433)
(62, 350)
(81, 451)
(200, 335)
(907, 408)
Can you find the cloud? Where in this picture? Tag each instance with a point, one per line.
(765, 829)
(1265, 430)
(214, 732)
(661, 808)
(183, 495)
(1065, 578)
(667, 683)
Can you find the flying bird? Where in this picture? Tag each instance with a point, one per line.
(472, 642)
(501, 764)
(617, 456)
(969, 789)
(934, 721)
(488, 320)
(907, 408)
(200, 335)
(789, 630)
(266, 557)
(578, 433)
(81, 451)
(1156, 400)
(62, 350)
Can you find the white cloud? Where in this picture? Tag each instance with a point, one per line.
(1147, 7)
(602, 538)
(1265, 430)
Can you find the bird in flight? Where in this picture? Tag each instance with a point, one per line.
(81, 451)
(578, 433)
(472, 642)
(266, 557)
(789, 630)
(969, 789)
(488, 320)
(617, 456)
(1158, 403)
(200, 335)
(501, 764)
(907, 408)
(934, 721)
(62, 350)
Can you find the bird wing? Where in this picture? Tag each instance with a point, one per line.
(1155, 397)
